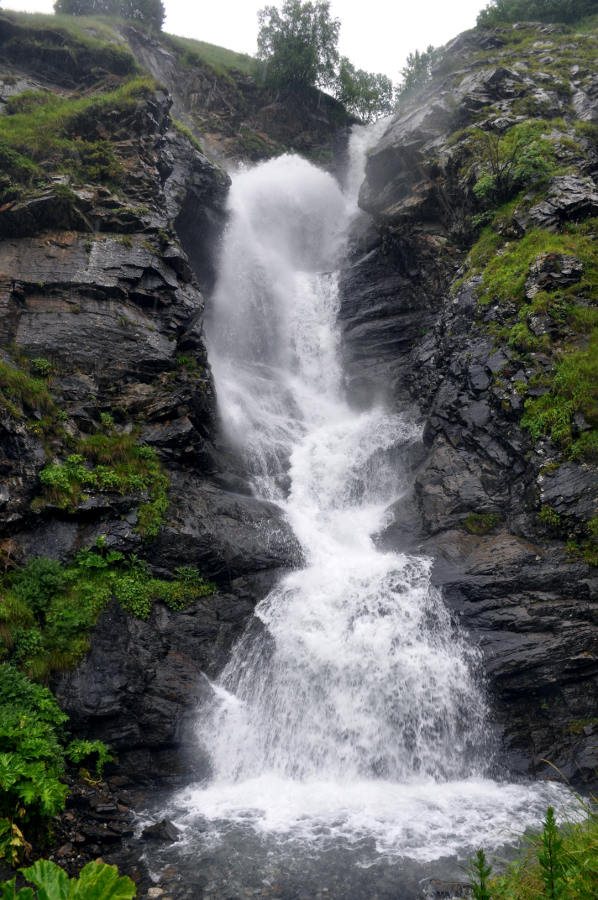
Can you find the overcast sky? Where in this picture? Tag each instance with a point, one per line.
(376, 35)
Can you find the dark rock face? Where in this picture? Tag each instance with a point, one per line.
(99, 286)
(409, 338)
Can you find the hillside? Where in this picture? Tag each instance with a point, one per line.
(472, 293)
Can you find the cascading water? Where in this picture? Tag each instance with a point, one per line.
(349, 714)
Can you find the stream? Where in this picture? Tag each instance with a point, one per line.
(349, 734)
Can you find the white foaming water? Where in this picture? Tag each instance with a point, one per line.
(350, 708)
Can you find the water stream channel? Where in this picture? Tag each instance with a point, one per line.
(352, 756)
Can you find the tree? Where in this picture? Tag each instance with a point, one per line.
(149, 12)
(417, 72)
(499, 11)
(298, 44)
(366, 94)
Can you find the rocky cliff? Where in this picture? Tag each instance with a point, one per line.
(102, 354)
(471, 292)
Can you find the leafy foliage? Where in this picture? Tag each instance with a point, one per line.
(510, 162)
(148, 12)
(31, 759)
(479, 872)
(49, 609)
(298, 44)
(96, 881)
(499, 11)
(369, 96)
(106, 462)
(64, 135)
(560, 863)
(416, 73)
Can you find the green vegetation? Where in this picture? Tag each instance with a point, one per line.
(479, 872)
(34, 750)
(365, 94)
(416, 73)
(481, 523)
(510, 162)
(96, 881)
(219, 59)
(65, 135)
(298, 47)
(88, 49)
(561, 864)
(147, 12)
(31, 760)
(109, 461)
(298, 44)
(49, 609)
(570, 389)
(499, 11)
(182, 129)
(21, 393)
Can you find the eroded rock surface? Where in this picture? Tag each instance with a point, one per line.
(492, 504)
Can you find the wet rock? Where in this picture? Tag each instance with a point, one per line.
(551, 271)
(569, 198)
(161, 831)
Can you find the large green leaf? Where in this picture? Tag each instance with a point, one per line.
(99, 881)
(51, 881)
(9, 891)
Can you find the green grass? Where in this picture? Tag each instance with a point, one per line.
(108, 462)
(66, 134)
(48, 609)
(481, 523)
(567, 866)
(84, 48)
(222, 61)
(22, 394)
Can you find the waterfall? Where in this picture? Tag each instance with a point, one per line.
(351, 707)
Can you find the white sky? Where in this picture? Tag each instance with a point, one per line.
(376, 35)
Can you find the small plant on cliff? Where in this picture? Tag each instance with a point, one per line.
(97, 881)
(110, 461)
(510, 162)
(481, 523)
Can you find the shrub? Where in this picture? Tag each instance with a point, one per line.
(110, 461)
(31, 760)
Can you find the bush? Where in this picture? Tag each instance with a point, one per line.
(31, 760)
